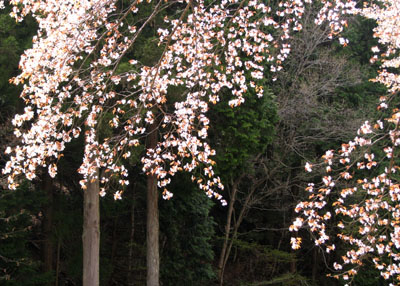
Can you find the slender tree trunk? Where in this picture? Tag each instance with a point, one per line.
(91, 233)
(293, 265)
(58, 261)
(131, 237)
(227, 233)
(274, 267)
(114, 242)
(228, 243)
(153, 255)
(113, 248)
(48, 224)
(293, 262)
(236, 226)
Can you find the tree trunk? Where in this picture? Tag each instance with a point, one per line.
(227, 234)
(153, 255)
(91, 233)
(236, 226)
(48, 224)
(230, 236)
(131, 239)
(113, 247)
(58, 261)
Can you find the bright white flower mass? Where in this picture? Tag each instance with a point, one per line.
(72, 78)
(194, 45)
(368, 207)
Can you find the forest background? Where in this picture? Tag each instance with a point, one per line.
(321, 98)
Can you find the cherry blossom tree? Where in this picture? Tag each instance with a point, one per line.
(73, 80)
(364, 195)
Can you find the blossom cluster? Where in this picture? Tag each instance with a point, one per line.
(365, 194)
(72, 81)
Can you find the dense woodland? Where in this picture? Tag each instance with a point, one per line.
(321, 97)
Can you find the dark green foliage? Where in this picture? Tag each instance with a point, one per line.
(187, 234)
(369, 276)
(361, 40)
(238, 134)
(19, 223)
(288, 279)
(67, 233)
(14, 39)
(365, 94)
(262, 263)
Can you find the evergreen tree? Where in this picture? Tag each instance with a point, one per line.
(20, 219)
(187, 231)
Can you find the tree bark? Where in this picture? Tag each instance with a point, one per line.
(91, 232)
(153, 255)
(48, 224)
(230, 236)
(58, 261)
(236, 226)
(227, 233)
(131, 239)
